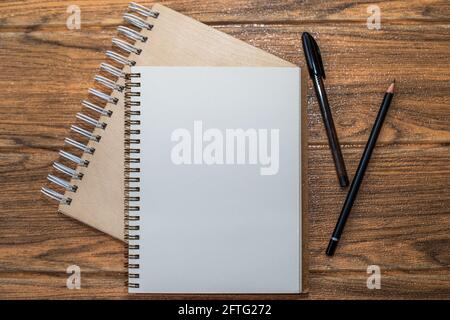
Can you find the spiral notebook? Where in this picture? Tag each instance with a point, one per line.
(88, 179)
(216, 206)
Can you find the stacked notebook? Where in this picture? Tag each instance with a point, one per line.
(189, 150)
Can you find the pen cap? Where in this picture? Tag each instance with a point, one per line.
(312, 56)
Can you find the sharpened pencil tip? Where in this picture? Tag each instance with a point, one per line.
(391, 87)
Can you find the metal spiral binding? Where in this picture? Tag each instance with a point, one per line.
(96, 108)
(91, 121)
(108, 83)
(56, 196)
(79, 145)
(112, 70)
(133, 6)
(77, 160)
(131, 172)
(62, 183)
(85, 133)
(119, 58)
(130, 33)
(103, 96)
(137, 21)
(68, 171)
(126, 46)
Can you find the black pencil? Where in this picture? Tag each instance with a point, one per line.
(359, 175)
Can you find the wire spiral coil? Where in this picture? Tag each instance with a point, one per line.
(131, 177)
(98, 105)
(93, 123)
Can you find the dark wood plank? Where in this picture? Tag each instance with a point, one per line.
(64, 64)
(398, 223)
(395, 284)
(324, 285)
(402, 216)
(52, 285)
(48, 13)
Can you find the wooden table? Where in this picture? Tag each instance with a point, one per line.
(401, 220)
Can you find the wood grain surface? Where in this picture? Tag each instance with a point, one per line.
(401, 219)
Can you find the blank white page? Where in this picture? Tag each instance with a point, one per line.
(220, 197)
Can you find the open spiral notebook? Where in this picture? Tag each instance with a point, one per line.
(89, 176)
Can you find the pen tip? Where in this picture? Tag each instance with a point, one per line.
(391, 87)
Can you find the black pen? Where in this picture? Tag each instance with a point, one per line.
(356, 183)
(317, 73)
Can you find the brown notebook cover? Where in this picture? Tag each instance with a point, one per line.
(170, 39)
